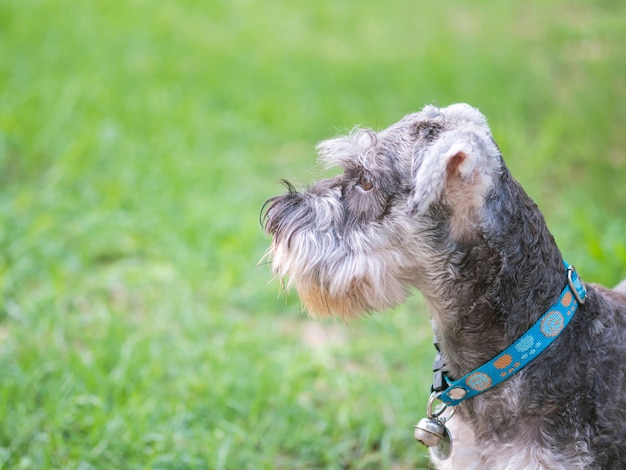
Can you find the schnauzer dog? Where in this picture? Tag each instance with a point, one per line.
(533, 360)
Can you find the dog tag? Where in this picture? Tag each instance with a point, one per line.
(432, 431)
(443, 449)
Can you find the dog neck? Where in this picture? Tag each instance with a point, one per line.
(492, 286)
(519, 354)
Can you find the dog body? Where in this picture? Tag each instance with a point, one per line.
(429, 203)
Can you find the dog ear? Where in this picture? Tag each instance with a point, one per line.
(456, 158)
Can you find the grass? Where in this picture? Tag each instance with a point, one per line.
(138, 141)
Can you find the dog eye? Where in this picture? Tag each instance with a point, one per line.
(365, 183)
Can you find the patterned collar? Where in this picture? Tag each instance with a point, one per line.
(519, 354)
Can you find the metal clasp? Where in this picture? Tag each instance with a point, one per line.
(571, 270)
(438, 413)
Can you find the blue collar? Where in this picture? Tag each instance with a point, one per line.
(521, 352)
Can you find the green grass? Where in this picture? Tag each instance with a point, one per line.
(138, 141)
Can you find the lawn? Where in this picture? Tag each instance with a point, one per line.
(138, 142)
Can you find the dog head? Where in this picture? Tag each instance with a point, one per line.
(407, 195)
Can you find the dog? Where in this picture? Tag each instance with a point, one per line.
(429, 203)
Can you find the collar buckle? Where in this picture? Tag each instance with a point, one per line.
(439, 376)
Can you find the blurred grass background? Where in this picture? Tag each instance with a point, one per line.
(138, 141)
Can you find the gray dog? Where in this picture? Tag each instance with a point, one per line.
(429, 203)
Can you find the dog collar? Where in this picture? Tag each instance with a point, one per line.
(519, 354)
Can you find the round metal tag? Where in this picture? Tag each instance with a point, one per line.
(443, 449)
